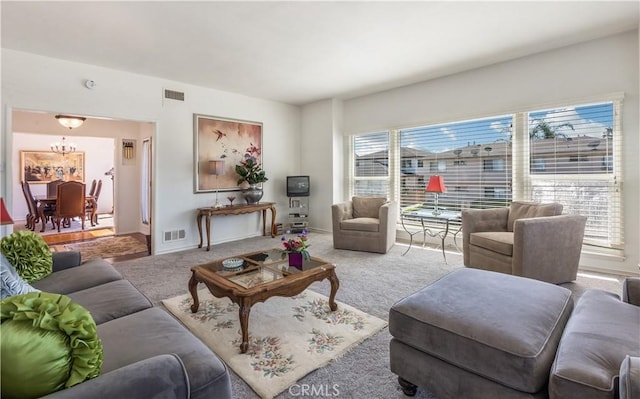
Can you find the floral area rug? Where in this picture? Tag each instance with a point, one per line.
(108, 247)
(288, 337)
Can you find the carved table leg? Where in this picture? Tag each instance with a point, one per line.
(335, 283)
(193, 289)
(208, 225)
(199, 222)
(244, 326)
(408, 388)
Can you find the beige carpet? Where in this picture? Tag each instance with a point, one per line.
(108, 247)
(288, 337)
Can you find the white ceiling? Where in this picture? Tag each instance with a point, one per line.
(299, 52)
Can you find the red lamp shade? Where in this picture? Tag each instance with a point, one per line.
(5, 218)
(436, 185)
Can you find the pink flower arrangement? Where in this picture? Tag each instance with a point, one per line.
(297, 244)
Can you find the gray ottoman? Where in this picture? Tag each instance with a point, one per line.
(478, 334)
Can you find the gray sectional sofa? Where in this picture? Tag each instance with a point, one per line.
(147, 353)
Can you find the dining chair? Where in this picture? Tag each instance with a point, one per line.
(91, 208)
(34, 214)
(70, 202)
(52, 187)
(92, 190)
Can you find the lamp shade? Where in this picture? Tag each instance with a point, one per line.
(436, 185)
(216, 168)
(5, 218)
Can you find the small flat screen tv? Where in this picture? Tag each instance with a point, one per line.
(298, 186)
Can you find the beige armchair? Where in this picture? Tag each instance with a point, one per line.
(525, 239)
(365, 224)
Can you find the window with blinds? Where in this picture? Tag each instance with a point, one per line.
(370, 176)
(570, 155)
(473, 157)
(574, 159)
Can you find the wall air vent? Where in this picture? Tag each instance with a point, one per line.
(173, 95)
(173, 235)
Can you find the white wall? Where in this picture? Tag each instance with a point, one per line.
(33, 82)
(561, 76)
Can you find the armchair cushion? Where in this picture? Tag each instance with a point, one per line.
(525, 210)
(367, 207)
(361, 224)
(496, 241)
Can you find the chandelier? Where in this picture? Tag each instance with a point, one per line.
(70, 121)
(63, 147)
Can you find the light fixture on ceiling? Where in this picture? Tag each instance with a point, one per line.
(63, 147)
(71, 122)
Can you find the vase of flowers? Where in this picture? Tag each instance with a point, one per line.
(251, 171)
(296, 249)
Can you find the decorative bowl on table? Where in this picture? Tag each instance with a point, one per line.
(232, 264)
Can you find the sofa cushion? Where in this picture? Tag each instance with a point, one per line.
(367, 207)
(48, 343)
(524, 210)
(496, 241)
(111, 300)
(10, 282)
(152, 332)
(601, 332)
(28, 253)
(90, 274)
(504, 328)
(361, 224)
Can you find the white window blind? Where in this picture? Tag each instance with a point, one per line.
(574, 159)
(473, 157)
(370, 166)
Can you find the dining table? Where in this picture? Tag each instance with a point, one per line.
(45, 201)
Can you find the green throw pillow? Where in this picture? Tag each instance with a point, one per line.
(28, 254)
(48, 343)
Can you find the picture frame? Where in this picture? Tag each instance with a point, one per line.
(223, 139)
(46, 166)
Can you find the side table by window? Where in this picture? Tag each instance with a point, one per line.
(440, 225)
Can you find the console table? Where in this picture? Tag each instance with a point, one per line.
(439, 225)
(235, 210)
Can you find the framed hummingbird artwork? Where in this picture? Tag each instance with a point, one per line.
(219, 145)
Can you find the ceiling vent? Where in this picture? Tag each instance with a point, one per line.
(173, 95)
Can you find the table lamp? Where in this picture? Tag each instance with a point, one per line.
(5, 218)
(216, 168)
(436, 186)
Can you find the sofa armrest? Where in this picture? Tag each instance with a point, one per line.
(630, 378)
(476, 220)
(341, 211)
(388, 215)
(66, 260)
(548, 248)
(159, 376)
(631, 290)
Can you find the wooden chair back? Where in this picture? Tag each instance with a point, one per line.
(96, 194)
(31, 206)
(52, 187)
(70, 201)
(92, 190)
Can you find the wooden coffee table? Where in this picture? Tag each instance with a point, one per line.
(261, 278)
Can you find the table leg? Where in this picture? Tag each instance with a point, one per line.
(193, 289)
(264, 222)
(244, 326)
(199, 223)
(273, 221)
(207, 221)
(41, 216)
(335, 284)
